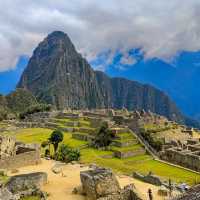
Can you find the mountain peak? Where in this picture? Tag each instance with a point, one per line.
(58, 75)
(58, 35)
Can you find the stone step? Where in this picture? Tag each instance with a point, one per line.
(85, 130)
(123, 136)
(128, 154)
(82, 136)
(119, 130)
(124, 143)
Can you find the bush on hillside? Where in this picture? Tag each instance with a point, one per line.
(153, 141)
(55, 138)
(19, 100)
(67, 154)
(103, 137)
(35, 109)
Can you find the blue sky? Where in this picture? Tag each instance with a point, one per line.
(10, 78)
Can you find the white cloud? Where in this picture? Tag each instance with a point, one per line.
(161, 28)
(127, 60)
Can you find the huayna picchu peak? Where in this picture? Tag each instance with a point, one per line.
(57, 74)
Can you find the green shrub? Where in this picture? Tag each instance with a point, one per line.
(55, 138)
(67, 154)
(103, 137)
(154, 142)
(35, 109)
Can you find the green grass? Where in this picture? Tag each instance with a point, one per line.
(62, 122)
(123, 136)
(31, 198)
(129, 148)
(140, 163)
(38, 135)
(4, 179)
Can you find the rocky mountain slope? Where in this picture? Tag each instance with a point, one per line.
(58, 75)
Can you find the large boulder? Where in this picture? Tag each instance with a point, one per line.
(26, 182)
(98, 183)
(101, 184)
(5, 194)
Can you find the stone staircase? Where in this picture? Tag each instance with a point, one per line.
(125, 145)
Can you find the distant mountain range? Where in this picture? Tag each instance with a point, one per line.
(58, 75)
(178, 78)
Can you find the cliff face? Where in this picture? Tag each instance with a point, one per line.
(57, 74)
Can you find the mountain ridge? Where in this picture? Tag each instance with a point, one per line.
(57, 74)
(177, 78)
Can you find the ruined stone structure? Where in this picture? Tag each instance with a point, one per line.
(192, 194)
(23, 186)
(184, 154)
(26, 181)
(101, 184)
(17, 154)
(7, 146)
(140, 118)
(149, 178)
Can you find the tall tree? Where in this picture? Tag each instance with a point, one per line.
(55, 138)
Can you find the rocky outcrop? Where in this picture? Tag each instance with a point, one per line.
(23, 186)
(101, 184)
(26, 182)
(192, 194)
(58, 75)
(150, 178)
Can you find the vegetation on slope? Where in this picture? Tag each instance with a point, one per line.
(20, 103)
(19, 100)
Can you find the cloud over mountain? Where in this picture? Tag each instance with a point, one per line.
(160, 28)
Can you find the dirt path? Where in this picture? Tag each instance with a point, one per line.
(60, 186)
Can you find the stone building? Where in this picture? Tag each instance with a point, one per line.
(15, 154)
(184, 154)
(7, 146)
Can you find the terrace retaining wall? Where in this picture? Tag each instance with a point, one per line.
(20, 160)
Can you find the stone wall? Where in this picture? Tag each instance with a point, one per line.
(26, 181)
(20, 160)
(82, 137)
(7, 146)
(184, 158)
(124, 143)
(128, 154)
(150, 178)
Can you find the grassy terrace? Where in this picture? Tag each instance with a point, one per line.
(141, 163)
(129, 148)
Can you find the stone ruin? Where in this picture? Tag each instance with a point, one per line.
(7, 146)
(192, 194)
(15, 154)
(101, 184)
(149, 178)
(140, 118)
(23, 186)
(186, 154)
